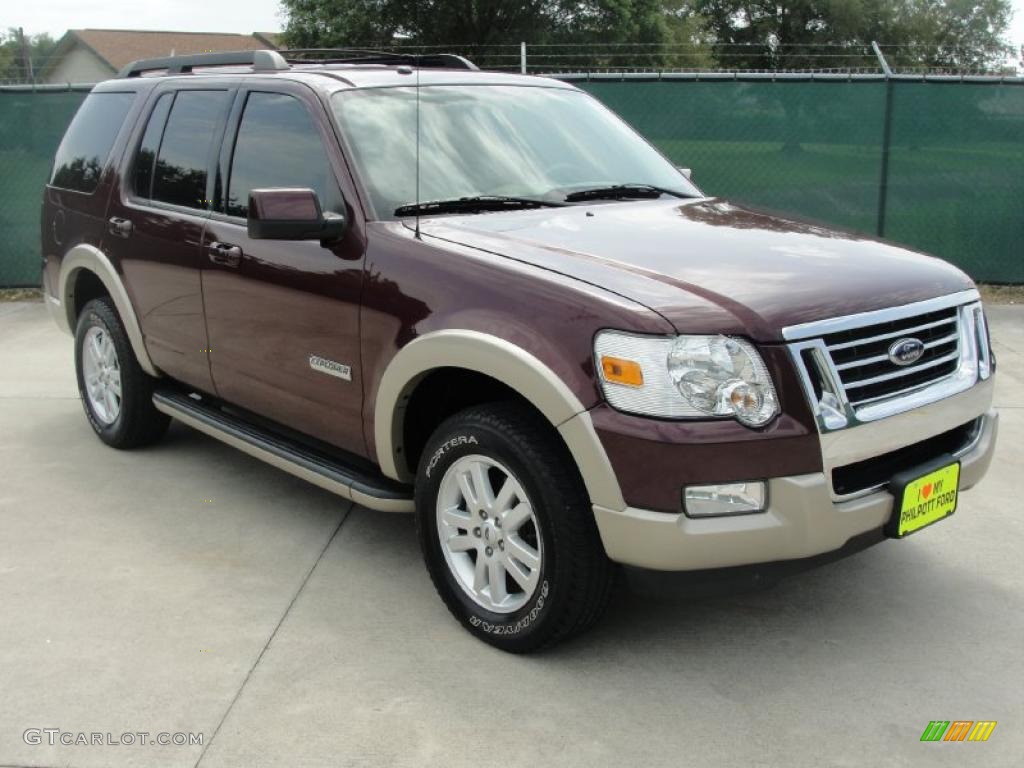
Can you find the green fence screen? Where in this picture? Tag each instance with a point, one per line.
(31, 127)
(949, 180)
(938, 166)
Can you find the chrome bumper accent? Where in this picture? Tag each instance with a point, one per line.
(848, 446)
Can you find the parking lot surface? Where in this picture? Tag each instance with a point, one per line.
(188, 588)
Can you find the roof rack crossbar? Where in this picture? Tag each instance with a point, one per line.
(260, 61)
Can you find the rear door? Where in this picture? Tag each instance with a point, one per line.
(156, 219)
(283, 316)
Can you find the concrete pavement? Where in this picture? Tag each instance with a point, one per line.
(190, 588)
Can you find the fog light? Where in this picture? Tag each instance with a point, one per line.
(724, 499)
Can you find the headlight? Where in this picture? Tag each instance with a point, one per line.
(685, 377)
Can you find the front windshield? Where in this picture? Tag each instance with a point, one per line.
(515, 141)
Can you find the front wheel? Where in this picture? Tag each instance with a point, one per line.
(507, 531)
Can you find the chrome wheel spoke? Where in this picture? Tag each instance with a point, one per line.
(480, 575)
(109, 401)
(518, 549)
(526, 579)
(482, 486)
(496, 582)
(456, 518)
(466, 487)
(463, 543)
(96, 347)
(115, 387)
(505, 496)
(513, 519)
(109, 353)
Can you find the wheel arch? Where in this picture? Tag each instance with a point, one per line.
(510, 366)
(92, 260)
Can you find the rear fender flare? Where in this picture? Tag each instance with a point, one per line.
(92, 259)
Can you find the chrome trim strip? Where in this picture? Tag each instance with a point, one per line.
(894, 334)
(858, 383)
(848, 322)
(883, 358)
(889, 396)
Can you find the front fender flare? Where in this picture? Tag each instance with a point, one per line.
(509, 364)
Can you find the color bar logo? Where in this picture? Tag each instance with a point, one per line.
(958, 730)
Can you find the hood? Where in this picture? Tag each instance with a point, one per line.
(709, 265)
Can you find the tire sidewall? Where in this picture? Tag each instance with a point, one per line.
(93, 317)
(451, 442)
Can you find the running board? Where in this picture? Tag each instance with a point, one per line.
(379, 493)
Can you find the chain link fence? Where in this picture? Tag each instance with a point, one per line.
(933, 163)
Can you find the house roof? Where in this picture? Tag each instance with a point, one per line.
(118, 47)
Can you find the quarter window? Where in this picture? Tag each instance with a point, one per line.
(183, 160)
(278, 146)
(145, 159)
(86, 146)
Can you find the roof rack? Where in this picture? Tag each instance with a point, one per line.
(370, 56)
(260, 61)
(276, 61)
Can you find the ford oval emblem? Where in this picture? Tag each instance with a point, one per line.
(906, 351)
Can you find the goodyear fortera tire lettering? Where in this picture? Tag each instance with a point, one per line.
(506, 529)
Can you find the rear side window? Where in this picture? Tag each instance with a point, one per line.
(183, 158)
(145, 158)
(278, 146)
(83, 153)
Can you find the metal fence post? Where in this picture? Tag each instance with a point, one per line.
(522, 57)
(883, 182)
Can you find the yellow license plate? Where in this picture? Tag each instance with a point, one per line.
(926, 499)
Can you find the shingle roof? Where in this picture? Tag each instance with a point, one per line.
(119, 47)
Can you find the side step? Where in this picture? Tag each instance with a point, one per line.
(376, 492)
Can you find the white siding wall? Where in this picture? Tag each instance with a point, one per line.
(80, 65)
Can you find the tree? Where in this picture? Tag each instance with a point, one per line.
(13, 67)
(643, 29)
(465, 23)
(948, 34)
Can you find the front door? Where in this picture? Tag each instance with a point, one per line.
(283, 316)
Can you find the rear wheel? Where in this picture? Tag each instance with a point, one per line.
(116, 393)
(507, 531)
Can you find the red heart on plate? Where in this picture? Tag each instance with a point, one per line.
(926, 490)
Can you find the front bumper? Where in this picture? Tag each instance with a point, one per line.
(803, 518)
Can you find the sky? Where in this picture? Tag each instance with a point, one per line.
(57, 16)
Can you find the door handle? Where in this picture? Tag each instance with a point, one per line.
(119, 227)
(225, 254)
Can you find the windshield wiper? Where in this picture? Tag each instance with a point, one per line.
(473, 205)
(621, 192)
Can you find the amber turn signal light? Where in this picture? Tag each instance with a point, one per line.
(619, 371)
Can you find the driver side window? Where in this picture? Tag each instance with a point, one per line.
(279, 146)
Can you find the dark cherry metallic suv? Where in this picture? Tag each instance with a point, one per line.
(485, 299)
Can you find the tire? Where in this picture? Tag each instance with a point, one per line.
(127, 420)
(562, 579)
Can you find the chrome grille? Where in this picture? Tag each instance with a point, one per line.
(849, 378)
(860, 356)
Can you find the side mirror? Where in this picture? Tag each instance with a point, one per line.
(291, 214)
(687, 172)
